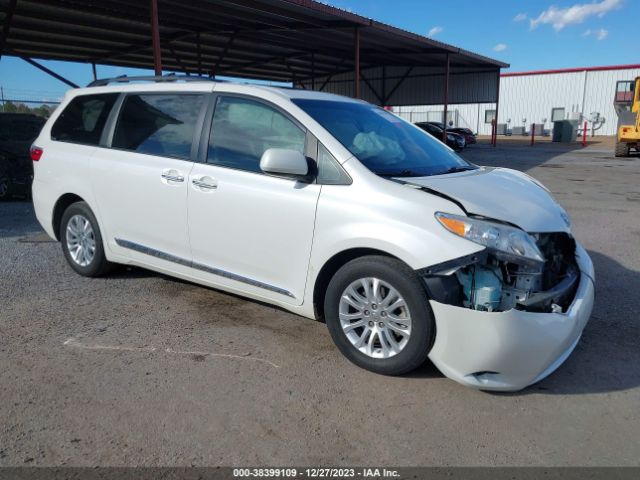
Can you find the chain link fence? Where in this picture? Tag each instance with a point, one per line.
(39, 102)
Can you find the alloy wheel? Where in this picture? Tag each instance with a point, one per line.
(81, 240)
(375, 318)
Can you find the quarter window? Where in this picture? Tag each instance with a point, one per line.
(243, 130)
(330, 172)
(83, 119)
(158, 124)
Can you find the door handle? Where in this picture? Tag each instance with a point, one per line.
(205, 183)
(173, 176)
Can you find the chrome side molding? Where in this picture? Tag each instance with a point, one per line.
(198, 266)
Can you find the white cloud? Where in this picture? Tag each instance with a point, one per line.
(435, 31)
(578, 13)
(501, 47)
(521, 17)
(600, 34)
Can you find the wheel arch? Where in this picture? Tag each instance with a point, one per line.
(58, 210)
(331, 266)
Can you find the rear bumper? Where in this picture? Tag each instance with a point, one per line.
(510, 350)
(43, 200)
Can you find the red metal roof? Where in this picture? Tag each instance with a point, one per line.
(571, 70)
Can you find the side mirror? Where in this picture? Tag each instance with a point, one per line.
(284, 161)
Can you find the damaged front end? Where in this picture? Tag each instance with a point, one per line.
(504, 277)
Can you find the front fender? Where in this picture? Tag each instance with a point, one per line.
(388, 217)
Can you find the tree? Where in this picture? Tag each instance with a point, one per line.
(9, 107)
(43, 110)
(22, 108)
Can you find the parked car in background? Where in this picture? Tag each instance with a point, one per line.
(17, 132)
(326, 206)
(454, 140)
(468, 135)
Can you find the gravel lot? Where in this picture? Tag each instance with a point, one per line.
(141, 369)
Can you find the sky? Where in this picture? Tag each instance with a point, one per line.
(529, 35)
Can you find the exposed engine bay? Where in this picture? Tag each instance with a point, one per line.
(493, 282)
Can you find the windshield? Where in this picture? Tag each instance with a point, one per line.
(384, 143)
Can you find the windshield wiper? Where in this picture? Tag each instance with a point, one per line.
(458, 169)
(401, 173)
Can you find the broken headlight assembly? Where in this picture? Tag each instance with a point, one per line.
(505, 240)
(533, 272)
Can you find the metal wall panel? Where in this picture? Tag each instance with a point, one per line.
(599, 93)
(422, 85)
(529, 99)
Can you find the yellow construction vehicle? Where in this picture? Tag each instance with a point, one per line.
(627, 104)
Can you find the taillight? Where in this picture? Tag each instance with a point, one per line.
(36, 153)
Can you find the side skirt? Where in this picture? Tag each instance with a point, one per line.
(198, 266)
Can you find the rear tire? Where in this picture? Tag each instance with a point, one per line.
(379, 316)
(82, 242)
(622, 149)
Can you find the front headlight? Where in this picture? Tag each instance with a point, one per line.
(451, 138)
(499, 237)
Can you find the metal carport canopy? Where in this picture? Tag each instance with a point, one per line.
(305, 42)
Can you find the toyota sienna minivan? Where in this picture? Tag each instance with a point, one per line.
(326, 206)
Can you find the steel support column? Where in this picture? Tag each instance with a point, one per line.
(446, 99)
(495, 135)
(384, 85)
(155, 38)
(199, 53)
(356, 61)
(93, 70)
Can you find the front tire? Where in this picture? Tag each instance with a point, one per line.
(82, 242)
(379, 316)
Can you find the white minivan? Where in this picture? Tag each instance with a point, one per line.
(329, 207)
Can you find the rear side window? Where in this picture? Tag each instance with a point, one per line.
(83, 119)
(243, 129)
(158, 124)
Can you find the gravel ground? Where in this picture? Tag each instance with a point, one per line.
(141, 369)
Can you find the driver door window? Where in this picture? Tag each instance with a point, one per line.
(243, 130)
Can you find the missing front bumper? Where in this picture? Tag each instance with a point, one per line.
(513, 349)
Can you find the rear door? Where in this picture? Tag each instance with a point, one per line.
(141, 181)
(251, 231)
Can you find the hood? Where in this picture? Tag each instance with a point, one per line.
(501, 194)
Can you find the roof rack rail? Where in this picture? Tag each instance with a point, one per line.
(172, 77)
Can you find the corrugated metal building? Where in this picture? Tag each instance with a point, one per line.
(539, 97)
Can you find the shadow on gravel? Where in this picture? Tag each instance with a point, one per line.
(607, 358)
(124, 272)
(17, 219)
(523, 157)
